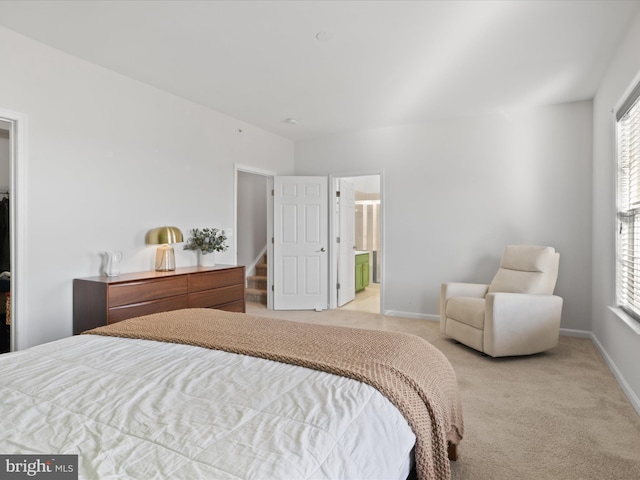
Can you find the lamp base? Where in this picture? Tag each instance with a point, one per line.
(165, 259)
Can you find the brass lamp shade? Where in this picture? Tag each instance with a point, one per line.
(164, 235)
(165, 256)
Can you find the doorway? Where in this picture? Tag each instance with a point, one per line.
(369, 202)
(6, 135)
(364, 245)
(13, 186)
(253, 227)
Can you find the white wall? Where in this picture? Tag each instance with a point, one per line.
(109, 159)
(456, 192)
(620, 343)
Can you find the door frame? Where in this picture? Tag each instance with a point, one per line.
(333, 245)
(17, 223)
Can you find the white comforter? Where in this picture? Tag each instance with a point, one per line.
(136, 409)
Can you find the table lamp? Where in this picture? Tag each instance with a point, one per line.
(165, 256)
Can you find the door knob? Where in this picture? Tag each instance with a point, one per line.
(321, 250)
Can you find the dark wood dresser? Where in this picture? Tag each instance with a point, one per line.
(100, 301)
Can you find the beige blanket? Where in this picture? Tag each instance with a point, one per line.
(415, 376)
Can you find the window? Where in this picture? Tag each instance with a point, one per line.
(628, 208)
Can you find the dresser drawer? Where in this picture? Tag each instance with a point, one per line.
(118, 314)
(144, 291)
(232, 307)
(219, 296)
(221, 278)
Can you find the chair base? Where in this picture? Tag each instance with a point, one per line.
(452, 451)
(466, 334)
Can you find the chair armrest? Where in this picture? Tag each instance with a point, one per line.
(453, 289)
(521, 323)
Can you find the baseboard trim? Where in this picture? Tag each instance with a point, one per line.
(626, 388)
(419, 316)
(570, 332)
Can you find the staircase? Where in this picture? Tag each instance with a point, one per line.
(257, 284)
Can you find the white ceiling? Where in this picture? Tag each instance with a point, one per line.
(386, 62)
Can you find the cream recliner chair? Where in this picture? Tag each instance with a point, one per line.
(517, 314)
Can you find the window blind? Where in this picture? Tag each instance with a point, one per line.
(628, 205)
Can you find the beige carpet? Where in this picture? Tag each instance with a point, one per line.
(557, 415)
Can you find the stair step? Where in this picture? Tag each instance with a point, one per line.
(256, 295)
(257, 284)
(261, 269)
(257, 281)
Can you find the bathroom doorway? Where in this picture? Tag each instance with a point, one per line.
(360, 249)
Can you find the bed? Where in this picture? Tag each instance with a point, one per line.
(201, 393)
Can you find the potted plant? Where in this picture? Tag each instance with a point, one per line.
(206, 241)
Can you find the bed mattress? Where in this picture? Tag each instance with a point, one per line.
(142, 409)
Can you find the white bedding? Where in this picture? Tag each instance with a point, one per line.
(137, 409)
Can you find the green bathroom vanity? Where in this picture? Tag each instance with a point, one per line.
(362, 270)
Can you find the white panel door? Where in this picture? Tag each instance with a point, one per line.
(346, 247)
(300, 259)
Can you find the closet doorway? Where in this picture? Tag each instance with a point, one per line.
(6, 134)
(12, 218)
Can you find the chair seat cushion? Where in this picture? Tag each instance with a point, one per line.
(468, 310)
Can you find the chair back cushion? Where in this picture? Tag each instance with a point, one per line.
(527, 269)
